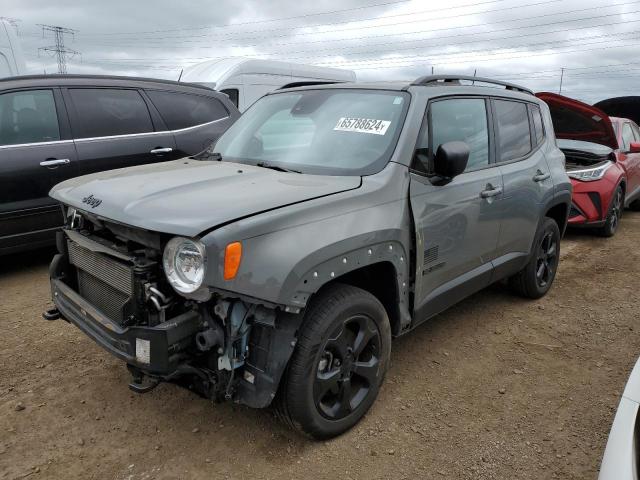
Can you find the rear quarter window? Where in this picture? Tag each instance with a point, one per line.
(233, 95)
(183, 110)
(538, 126)
(514, 134)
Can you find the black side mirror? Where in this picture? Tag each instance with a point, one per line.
(451, 159)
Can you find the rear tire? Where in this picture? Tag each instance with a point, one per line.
(339, 363)
(536, 278)
(613, 214)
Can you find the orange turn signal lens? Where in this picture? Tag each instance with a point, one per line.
(232, 256)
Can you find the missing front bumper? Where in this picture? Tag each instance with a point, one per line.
(155, 350)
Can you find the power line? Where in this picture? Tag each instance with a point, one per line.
(228, 25)
(296, 42)
(106, 60)
(59, 50)
(404, 58)
(476, 59)
(490, 52)
(469, 56)
(289, 33)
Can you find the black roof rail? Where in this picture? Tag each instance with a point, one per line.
(74, 76)
(440, 79)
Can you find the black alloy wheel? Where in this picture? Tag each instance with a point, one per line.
(339, 362)
(547, 260)
(348, 367)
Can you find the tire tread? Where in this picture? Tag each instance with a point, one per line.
(318, 313)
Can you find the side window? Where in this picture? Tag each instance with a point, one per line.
(182, 110)
(538, 127)
(636, 132)
(28, 117)
(513, 129)
(627, 136)
(233, 95)
(462, 119)
(103, 112)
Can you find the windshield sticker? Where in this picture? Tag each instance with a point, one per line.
(362, 125)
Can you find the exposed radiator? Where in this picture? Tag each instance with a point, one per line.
(103, 281)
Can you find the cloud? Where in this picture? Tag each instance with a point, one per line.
(527, 42)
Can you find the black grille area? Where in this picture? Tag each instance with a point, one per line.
(574, 212)
(103, 281)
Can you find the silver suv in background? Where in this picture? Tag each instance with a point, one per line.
(278, 265)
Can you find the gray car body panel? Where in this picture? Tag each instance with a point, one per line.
(331, 225)
(288, 254)
(187, 197)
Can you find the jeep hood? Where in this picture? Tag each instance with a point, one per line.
(187, 197)
(574, 120)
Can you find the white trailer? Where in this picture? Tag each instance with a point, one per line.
(245, 80)
(11, 58)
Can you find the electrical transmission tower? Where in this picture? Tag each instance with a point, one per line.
(59, 50)
(11, 21)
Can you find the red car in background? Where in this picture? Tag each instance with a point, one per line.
(602, 159)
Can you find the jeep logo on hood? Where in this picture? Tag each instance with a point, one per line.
(91, 201)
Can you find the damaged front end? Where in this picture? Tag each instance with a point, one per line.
(108, 280)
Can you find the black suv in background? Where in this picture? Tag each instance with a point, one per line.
(55, 127)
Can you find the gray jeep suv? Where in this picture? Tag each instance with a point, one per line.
(276, 266)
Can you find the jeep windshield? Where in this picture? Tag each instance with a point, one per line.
(327, 132)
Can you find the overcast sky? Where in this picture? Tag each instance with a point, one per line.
(527, 42)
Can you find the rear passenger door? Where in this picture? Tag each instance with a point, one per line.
(36, 153)
(114, 128)
(195, 120)
(457, 224)
(528, 185)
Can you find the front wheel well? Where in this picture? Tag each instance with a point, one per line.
(559, 213)
(379, 279)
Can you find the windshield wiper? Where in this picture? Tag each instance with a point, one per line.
(276, 167)
(207, 155)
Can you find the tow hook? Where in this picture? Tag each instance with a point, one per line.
(51, 314)
(141, 383)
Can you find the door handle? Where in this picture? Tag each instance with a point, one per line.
(54, 162)
(161, 150)
(540, 177)
(490, 192)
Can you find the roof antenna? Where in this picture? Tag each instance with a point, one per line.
(475, 74)
(180, 76)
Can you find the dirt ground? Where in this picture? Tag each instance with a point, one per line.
(496, 387)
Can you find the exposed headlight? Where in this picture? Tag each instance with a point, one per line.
(590, 174)
(184, 263)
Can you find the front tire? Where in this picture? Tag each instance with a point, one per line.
(536, 278)
(339, 362)
(613, 215)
